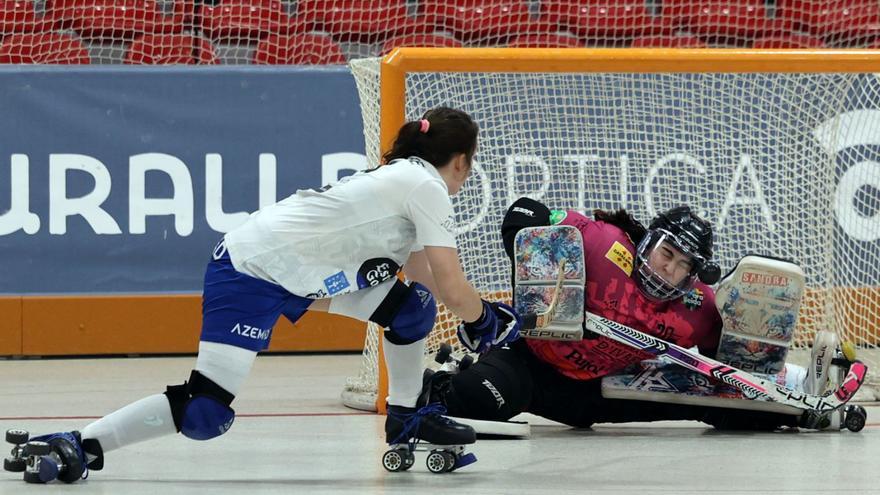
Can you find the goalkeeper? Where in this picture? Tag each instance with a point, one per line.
(654, 280)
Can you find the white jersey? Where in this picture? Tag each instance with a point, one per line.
(353, 234)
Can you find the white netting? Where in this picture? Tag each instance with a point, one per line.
(782, 164)
(329, 31)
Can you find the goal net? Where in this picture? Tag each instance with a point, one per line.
(780, 151)
(301, 32)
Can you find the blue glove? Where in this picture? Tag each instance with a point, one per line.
(499, 324)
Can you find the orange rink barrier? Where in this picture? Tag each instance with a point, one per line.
(145, 324)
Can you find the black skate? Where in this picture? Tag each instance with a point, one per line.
(408, 430)
(47, 458)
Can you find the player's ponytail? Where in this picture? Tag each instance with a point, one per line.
(624, 221)
(436, 137)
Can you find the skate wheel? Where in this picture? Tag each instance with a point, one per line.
(17, 437)
(466, 362)
(440, 461)
(394, 461)
(854, 417)
(443, 353)
(37, 448)
(14, 464)
(32, 477)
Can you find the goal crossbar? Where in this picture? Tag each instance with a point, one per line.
(401, 61)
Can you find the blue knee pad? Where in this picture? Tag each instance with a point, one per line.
(200, 407)
(407, 312)
(204, 418)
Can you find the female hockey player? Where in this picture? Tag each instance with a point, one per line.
(338, 249)
(654, 280)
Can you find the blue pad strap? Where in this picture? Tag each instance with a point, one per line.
(204, 418)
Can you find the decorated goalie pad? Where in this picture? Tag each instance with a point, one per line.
(539, 252)
(758, 302)
(656, 381)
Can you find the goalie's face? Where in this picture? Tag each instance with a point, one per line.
(673, 265)
(665, 270)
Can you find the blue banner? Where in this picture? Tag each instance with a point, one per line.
(123, 179)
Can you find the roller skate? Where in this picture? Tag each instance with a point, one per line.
(408, 430)
(830, 360)
(49, 457)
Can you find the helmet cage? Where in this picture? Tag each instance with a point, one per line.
(652, 284)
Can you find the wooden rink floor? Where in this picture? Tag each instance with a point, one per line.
(293, 435)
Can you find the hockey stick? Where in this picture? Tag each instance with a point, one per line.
(544, 318)
(752, 386)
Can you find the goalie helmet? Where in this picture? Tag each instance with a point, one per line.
(689, 234)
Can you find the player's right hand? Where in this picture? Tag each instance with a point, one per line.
(497, 325)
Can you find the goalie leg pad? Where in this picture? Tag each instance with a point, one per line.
(200, 407)
(407, 312)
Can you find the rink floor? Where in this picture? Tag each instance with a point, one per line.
(292, 435)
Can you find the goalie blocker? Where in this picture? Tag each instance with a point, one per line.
(549, 277)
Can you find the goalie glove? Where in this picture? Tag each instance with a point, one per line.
(497, 325)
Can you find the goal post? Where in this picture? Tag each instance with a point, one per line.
(779, 149)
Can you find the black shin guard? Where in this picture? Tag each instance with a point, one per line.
(496, 387)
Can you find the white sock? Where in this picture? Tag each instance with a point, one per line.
(150, 417)
(226, 365)
(145, 419)
(405, 365)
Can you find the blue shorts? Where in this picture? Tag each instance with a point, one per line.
(241, 310)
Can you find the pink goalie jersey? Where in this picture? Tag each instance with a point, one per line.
(612, 292)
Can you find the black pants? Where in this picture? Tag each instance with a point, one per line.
(508, 381)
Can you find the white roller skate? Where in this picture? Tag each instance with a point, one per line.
(829, 362)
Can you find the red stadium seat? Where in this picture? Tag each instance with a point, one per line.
(735, 21)
(601, 20)
(20, 16)
(668, 41)
(112, 18)
(846, 23)
(298, 49)
(421, 40)
(550, 40)
(359, 20)
(480, 21)
(239, 20)
(43, 48)
(166, 49)
(788, 41)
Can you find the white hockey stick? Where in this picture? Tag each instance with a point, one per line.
(752, 386)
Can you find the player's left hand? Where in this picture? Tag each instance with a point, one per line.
(497, 325)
